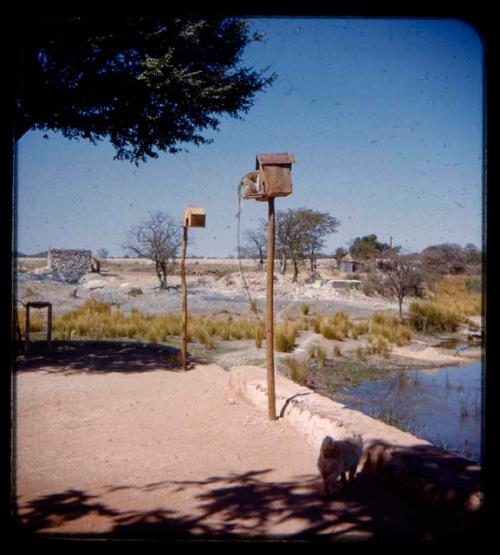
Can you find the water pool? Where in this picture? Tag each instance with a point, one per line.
(443, 405)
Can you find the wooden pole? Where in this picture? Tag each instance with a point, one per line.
(271, 396)
(49, 327)
(184, 298)
(27, 330)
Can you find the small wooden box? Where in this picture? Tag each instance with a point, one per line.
(274, 173)
(194, 216)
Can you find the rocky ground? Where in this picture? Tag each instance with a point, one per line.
(219, 287)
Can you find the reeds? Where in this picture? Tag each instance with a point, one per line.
(97, 320)
(336, 327)
(390, 328)
(298, 371)
(459, 294)
(429, 317)
(318, 352)
(285, 336)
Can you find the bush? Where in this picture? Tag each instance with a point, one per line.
(431, 318)
(390, 328)
(284, 337)
(135, 292)
(378, 346)
(259, 335)
(316, 351)
(359, 329)
(474, 284)
(336, 327)
(299, 371)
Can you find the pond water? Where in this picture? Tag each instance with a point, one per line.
(443, 405)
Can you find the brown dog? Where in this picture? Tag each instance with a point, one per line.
(339, 458)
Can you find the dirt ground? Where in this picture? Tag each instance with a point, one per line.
(115, 442)
(112, 439)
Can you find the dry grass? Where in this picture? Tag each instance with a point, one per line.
(98, 320)
(390, 328)
(285, 336)
(298, 371)
(317, 351)
(336, 327)
(459, 294)
(429, 317)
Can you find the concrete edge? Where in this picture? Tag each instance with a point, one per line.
(398, 459)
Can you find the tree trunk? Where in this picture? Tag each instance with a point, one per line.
(400, 308)
(161, 272)
(283, 264)
(295, 271)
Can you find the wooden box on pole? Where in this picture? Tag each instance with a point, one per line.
(272, 178)
(194, 216)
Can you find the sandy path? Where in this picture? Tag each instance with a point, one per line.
(108, 449)
(115, 450)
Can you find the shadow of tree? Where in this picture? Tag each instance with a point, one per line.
(52, 510)
(72, 357)
(248, 505)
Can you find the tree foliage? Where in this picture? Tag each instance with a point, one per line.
(157, 238)
(301, 233)
(147, 84)
(446, 258)
(368, 247)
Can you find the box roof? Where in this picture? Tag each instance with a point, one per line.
(277, 158)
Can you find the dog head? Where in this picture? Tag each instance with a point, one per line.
(327, 449)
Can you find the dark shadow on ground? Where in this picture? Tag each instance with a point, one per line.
(245, 505)
(72, 357)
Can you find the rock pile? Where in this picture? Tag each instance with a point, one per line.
(70, 264)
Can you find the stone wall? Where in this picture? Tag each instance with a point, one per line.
(70, 264)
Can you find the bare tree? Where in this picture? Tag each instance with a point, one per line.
(157, 238)
(255, 245)
(401, 278)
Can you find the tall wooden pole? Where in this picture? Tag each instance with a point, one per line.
(184, 298)
(269, 312)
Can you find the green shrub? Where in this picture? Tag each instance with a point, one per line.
(428, 317)
(135, 292)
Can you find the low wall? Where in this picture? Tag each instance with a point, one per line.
(70, 264)
(397, 458)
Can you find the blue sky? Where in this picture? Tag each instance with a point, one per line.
(384, 117)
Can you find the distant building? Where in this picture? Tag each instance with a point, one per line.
(349, 265)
